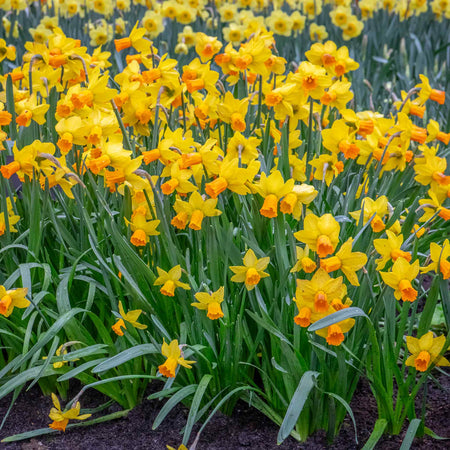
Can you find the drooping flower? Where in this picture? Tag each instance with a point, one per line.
(170, 281)
(252, 271)
(174, 357)
(211, 303)
(131, 317)
(61, 418)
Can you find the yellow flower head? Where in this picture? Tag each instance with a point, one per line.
(210, 302)
(252, 271)
(174, 357)
(130, 317)
(12, 298)
(321, 234)
(170, 280)
(61, 418)
(400, 278)
(425, 351)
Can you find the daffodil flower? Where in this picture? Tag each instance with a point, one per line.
(400, 278)
(174, 357)
(425, 351)
(131, 317)
(61, 418)
(210, 302)
(12, 298)
(252, 271)
(170, 281)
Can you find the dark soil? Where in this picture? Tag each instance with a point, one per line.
(246, 429)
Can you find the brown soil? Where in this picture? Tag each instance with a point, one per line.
(246, 429)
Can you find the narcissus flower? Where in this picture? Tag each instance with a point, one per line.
(425, 351)
(131, 317)
(61, 418)
(321, 234)
(170, 281)
(210, 302)
(400, 278)
(390, 248)
(347, 261)
(12, 298)
(206, 46)
(426, 92)
(272, 188)
(439, 257)
(304, 262)
(174, 357)
(195, 210)
(252, 271)
(379, 207)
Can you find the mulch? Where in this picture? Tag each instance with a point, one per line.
(245, 429)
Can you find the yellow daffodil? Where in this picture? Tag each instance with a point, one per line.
(61, 418)
(304, 262)
(347, 261)
(321, 234)
(210, 302)
(390, 248)
(425, 351)
(272, 188)
(400, 278)
(131, 317)
(174, 357)
(252, 271)
(194, 210)
(439, 256)
(379, 207)
(12, 298)
(170, 281)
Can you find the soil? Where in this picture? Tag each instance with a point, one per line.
(246, 429)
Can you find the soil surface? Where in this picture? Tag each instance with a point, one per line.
(246, 429)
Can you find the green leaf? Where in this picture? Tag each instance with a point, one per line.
(337, 317)
(377, 432)
(193, 410)
(306, 384)
(410, 434)
(126, 355)
(179, 396)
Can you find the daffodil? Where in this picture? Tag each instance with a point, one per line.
(390, 248)
(304, 262)
(210, 302)
(252, 271)
(321, 234)
(12, 298)
(194, 210)
(347, 261)
(206, 46)
(272, 188)
(170, 281)
(141, 227)
(377, 208)
(131, 317)
(400, 278)
(425, 351)
(440, 259)
(61, 418)
(174, 357)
